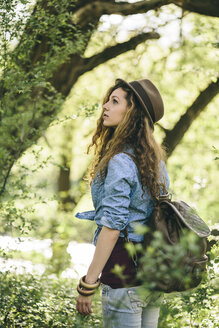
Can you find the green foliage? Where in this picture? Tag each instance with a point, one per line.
(197, 308)
(31, 302)
(20, 197)
(164, 263)
(216, 153)
(60, 239)
(28, 301)
(193, 308)
(28, 101)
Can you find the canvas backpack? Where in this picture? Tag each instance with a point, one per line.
(173, 219)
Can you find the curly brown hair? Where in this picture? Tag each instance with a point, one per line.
(135, 131)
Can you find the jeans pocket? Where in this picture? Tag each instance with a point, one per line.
(104, 290)
(118, 300)
(136, 302)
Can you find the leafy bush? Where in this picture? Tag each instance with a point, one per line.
(196, 308)
(31, 302)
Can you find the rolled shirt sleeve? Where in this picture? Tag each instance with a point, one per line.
(117, 189)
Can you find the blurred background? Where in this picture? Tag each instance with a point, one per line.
(57, 61)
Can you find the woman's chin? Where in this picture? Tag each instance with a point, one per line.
(107, 124)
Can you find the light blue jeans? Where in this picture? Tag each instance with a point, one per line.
(125, 308)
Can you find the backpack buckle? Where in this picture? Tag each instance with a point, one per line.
(166, 196)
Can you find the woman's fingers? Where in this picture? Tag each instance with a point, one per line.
(85, 309)
(84, 304)
(89, 307)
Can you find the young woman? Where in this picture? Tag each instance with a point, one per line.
(128, 174)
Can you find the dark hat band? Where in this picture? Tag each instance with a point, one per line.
(144, 97)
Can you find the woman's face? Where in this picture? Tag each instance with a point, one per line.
(115, 108)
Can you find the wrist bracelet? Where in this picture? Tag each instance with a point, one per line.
(85, 292)
(89, 286)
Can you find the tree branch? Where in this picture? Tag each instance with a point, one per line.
(210, 7)
(118, 49)
(99, 8)
(162, 128)
(66, 75)
(96, 9)
(174, 136)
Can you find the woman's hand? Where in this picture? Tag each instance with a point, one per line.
(84, 304)
(105, 243)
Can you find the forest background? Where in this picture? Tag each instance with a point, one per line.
(57, 60)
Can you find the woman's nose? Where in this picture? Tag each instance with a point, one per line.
(105, 106)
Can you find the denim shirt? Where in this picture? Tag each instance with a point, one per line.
(118, 199)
